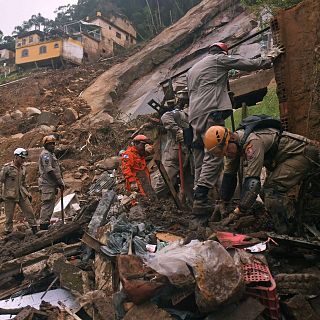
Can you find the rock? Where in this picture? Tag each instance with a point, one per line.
(77, 175)
(30, 111)
(16, 115)
(46, 129)
(298, 308)
(109, 163)
(70, 115)
(6, 117)
(48, 118)
(83, 169)
(17, 136)
(147, 311)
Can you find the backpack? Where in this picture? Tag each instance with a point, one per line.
(256, 122)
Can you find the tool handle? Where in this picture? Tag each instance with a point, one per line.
(181, 169)
(62, 206)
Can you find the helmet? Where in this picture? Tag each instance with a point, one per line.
(216, 140)
(49, 139)
(141, 138)
(20, 152)
(183, 94)
(221, 45)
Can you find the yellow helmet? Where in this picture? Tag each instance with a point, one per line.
(49, 139)
(216, 140)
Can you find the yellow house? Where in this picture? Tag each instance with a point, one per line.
(33, 49)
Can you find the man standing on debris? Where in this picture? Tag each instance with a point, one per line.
(210, 105)
(174, 122)
(14, 190)
(134, 166)
(289, 159)
(50, 180)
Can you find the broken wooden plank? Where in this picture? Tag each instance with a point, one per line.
(15, 266)
(169, 184)
(48, 239)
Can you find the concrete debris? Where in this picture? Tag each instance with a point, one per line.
(31, 111)
(48, 118)
(70, 116)
(121, 255)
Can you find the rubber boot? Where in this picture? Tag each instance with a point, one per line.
(44, 226)
(34, 229)
(201, 204)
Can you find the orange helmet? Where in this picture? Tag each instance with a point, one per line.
(216, 140)
(221, 45)
(141, 138)
(49, 139)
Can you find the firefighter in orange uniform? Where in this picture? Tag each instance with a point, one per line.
(134, 166)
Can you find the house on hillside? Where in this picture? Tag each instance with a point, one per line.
(101, 36)
(6, 53)
(37, 49)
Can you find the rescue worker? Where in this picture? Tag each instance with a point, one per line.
(288, 158)
(50, 180)
(14, 191)
(210, 105)
(134, 166)
(174, 122)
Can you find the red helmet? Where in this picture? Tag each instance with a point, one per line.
(221, 45)
(141, 138)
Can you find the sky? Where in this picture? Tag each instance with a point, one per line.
(14, 12)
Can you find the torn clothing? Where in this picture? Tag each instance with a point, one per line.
(13, 182)
(48, 165)
(207, 81)
(131, 164)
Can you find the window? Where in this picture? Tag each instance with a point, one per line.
(30, 39)
(19, 44)
(43, 49)
(56, 45)
(24, 41)
(118, 35)
(25, 53)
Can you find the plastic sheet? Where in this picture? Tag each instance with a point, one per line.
(217, 278)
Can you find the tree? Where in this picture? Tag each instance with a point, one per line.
(271, 5)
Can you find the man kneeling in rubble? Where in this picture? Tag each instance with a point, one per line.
(289, 159)
(134, 166)
(174, 122)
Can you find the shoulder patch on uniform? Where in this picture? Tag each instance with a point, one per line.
(46, 158)
(126, 156)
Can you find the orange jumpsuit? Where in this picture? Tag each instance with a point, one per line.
(132, 163)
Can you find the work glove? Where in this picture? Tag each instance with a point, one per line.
(134, 187)
(275, 52)
(179, 136)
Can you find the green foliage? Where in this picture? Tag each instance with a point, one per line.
(270, 5)
(149, 17)
(269, 105)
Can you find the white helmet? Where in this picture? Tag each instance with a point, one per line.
(23, 153)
